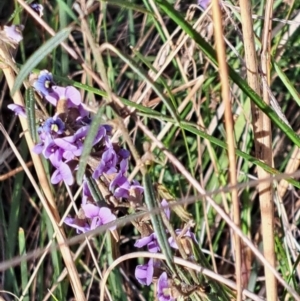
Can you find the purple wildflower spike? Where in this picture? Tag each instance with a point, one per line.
(163, 288)
(144, 273)
(18, 110)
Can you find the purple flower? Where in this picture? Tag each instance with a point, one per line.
(44, 83)
(38, 8)
(163, 288)
(188, 233)
(108, 162)
(150, 241)
(166, 208)
(54, 125)
(18, 110)
(13, 33)
(98, 216)
(122, 184)
(144, 273)
(63, 171)
(86, 194)
(73, 145)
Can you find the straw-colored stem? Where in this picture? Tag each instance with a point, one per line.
(265, 143)
(223, 71)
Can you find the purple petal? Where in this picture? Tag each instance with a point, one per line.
(66, 143)
(54, 125)
(166, 208)
(73, 95)
(60, 92)
(62, 173)
(143, 241)
(90, 210)
(163, 292)
(56, 177)
(17, 109)
(52, 98)
(38, 148)
(124, 153)
(153, 246)
(66, 173)
(107, 216)
(124, 166)
(121, 193)
(144, 273)
(204, 3)
(188, 233)
(80, 225)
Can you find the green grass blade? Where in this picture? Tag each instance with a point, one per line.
(88, 144)
(157, 222)
(30, 111)
(287, 83)
(24, 269)
(38, 56)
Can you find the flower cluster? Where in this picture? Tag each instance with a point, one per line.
(144, 273)
(61, 142)
(61, 139)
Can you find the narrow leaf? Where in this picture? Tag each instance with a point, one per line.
(24, 269)
(157, 222)
(30, 111)
(287, 83)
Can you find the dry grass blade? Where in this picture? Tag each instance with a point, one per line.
(221, 54)
(263, 149)
(262, 135)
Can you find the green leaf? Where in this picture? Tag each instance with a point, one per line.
(30, 112)
(287, 83)
(24, 269)
(88, 144)
(38, 56)
(157, 222)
